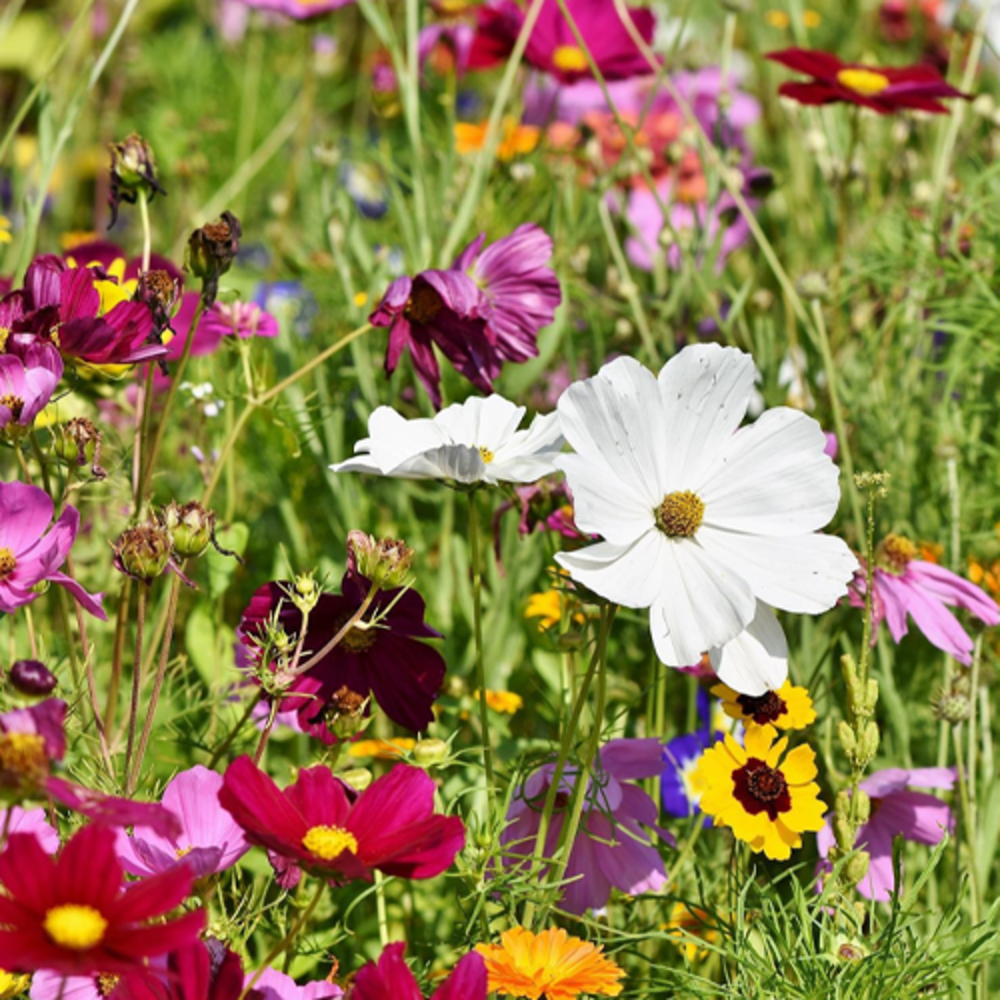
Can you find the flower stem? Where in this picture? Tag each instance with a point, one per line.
(133, 712)
(147, 235)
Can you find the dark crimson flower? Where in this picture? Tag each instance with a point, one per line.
(553, 47)
(391, 978)
(320, 825)
(884, 89)
(72, 914)
(386, 660)
(445, 308)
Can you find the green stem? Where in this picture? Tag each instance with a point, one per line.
(133, 713)
(383, 916)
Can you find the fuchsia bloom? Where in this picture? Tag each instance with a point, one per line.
(239, 319)
(391, 979)
(611, 849)
(906, 585)
(299, 10)
(72, 915)
(27, 384)
(34, 822)
(552, 47)
(210, 840)
(32, 548)
(387, 660)
(274, 985)
(896, 811)
(321, 826)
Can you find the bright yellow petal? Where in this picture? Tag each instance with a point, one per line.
(799, 767)
(758, 740)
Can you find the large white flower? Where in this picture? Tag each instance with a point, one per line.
(704, 522)
(471, 442)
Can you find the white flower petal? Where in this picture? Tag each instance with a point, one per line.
(481, 422)
(460, 462)
(631, 575)
(773, 478)
(807, 574)
(705, 391)
(756, 661)
(393, 442)
(602, 503)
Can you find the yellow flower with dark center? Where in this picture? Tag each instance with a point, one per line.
(551, 964)
(382, 749)
(789, 707)
(768, 803)
(506, 702)
(688, 923)
(516, 140)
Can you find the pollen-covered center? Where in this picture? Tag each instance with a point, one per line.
(570, 59)
(763, 709)
(759, 788)
(13, 403)
(866, 82)
(895, 552)
(74, 926)
(106, 982)
(680, 514)
(424, 304)
(357, 639)
(329, 842)
(485, 454)
(23, 755)
(7, 563)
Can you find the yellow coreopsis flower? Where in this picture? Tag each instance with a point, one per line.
(505, 702)
(789, 707)
(767, 802)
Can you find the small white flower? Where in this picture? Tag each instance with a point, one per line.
(477, 441)
(707, 524)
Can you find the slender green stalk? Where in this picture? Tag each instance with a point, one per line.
(383, 916)
(133, 713)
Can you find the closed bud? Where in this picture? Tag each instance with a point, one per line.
(305, 592)
(359, 778)
(862, 807)
(427, 753)
(384, 562)
(133, 172)
(190, 525)
(847, 738)
(843, 830)
(856, 868)
(812, 286)
(952, 707)
(143, 552)
(871, 696)
(868, 743)
(211, 251)
(32, 678)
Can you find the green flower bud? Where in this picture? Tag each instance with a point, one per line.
(359, 778)
(427, 753)
(385, 562)
(143, 552)
(133, 172)
(306, 593)
(812, 286)
(190, 525)
(847, 738)
(856, 868)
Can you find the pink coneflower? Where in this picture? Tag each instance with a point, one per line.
(72, 914)
(611, 849)
(320, 826)
(26, 385)
(209, 841)
(896, 811)
(390, 977)
(32, 548)
(521, 288)
(904, 584)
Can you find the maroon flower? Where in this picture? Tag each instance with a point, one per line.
(386, 660)
(71, 914)
(321, 826)
(390, 977)
(884, 89)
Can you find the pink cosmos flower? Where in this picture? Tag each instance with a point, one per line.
(321, 826)
(32, 821)
(446, 46)
(391, 979)
(299, 10)
(274, 985)
(210, 840)
(611, 849)
(522, 290)
(32, 548)
(27, 384)
(906, 585)
(552, 47)
(896, 811)
(239, 319)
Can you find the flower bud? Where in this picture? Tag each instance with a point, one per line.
(359, 778)
(190, 525)
(211, 251)
(306, 593)
(427, 753)
(142, 552)
(79, 441)
(856, 868)
(385, 562)
(847, 739)
(952, 707)
(32, 678)
(812, 286)
(868, 744)
(862, 807)
(161, 292)
(346, 714)
(133, 172)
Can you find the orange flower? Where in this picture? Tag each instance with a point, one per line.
(517, 139)
(552, 965)
(382, 749)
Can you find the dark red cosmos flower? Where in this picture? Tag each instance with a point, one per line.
(552, 46)
(386, 660)
(884, 89)
(320, 826)
(391, 979)
(71, 914)
(198, 971)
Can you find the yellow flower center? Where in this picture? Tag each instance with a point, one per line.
(486, 455)
(183, 852)
(680, 514)
(570, 59)
(895, 552)
(357, 640)
(4, 334)
(7, 563)
(23, 754)
(76, 927)
(864, 81)
(13, 403)
(106, 983)
(329, 842)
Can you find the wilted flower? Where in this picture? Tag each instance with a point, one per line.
(211, 251)
(390, 977)
(385, 562)
(143, 551)
(79, 441)
(190, 525)
(133, 173)
(161, 292)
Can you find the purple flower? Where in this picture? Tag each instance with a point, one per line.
(445, 308)
(209, 841)
(680, 758)
(32, 548)
(521, 288)
(27, 384)
(906, 585)
(611, 849)
(896, 811)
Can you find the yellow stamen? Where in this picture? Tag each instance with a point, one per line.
(895, 552)
(486, 455)
(76, 927)
(680, 514)
(7, 561)
(570, 59)
(329, 842)
(23, 755)
(866, 82)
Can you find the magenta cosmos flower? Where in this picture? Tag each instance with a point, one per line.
(72, 914)
(27, 384)
(299, 10)
(319, 825)
(553, 47)
(896, 811)
(611, 849)
(386, 660)
(907, 585)
(883, 89)
(390, 979)
(32, 548)
(522, 290)
(209, 841)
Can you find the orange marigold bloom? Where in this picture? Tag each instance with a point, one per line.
(552, 965)
(516, 139)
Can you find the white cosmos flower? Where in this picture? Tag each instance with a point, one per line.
(707, 524)
(477, 441)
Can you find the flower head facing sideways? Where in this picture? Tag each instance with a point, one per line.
(27, 384)
(789, 707)
(706, 523)
(477, 441)
(390, 979)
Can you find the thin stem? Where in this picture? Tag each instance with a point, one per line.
(117, 655)
(133, 712)
(383, 916)
(234, 732)
(147, 235)
(265, 735)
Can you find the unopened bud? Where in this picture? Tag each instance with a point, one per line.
(847, 738)
(952, 707)
(190, 525)
(32, 678)
(856, 868)
(143, 552)
(133, 172)
(812, 286)
(427, 753)
(359, 778)
(868, 743)
(384, 562)
(211, 251)
(862, 807)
